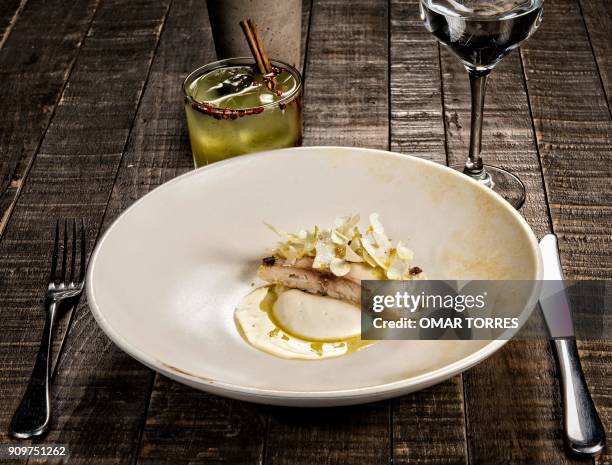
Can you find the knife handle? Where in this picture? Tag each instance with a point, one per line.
(583, 432)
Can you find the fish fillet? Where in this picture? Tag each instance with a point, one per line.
(302, 276)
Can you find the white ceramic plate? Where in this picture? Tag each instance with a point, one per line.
(164, 280)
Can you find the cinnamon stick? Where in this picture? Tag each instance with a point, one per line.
(250, 37)
(259, 52)
(260, 45)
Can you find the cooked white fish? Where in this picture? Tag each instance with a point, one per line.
(301, 275)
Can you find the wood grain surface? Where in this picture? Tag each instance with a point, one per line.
(34, 65)
(417, 123)
(87, 126)
(597, 16)
(346, 98)
(72, 176)
(9, 12)
(574, 134)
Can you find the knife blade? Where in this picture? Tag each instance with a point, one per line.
(584, 435)
(554, 300)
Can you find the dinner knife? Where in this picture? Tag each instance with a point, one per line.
(583, 431)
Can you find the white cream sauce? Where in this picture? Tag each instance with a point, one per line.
(298, 325)
(316, 318)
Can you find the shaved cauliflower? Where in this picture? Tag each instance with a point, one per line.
(336, 248)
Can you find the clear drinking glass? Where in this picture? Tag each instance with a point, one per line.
(231, 111)
(480, 33)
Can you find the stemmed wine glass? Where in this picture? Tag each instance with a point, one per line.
(480, 33)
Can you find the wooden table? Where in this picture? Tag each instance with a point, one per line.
(91, 120)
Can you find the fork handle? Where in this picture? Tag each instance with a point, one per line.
(583, 432)
(33, 416)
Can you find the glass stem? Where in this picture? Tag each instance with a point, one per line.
(474, 166)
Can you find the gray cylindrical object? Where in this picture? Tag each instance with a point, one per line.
(279, 24)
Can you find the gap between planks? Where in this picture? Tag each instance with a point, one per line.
(11, 23)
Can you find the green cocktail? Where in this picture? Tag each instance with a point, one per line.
(231, 109)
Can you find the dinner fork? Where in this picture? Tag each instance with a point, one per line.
(33, 416)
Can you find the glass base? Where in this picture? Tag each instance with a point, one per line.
(501, 181)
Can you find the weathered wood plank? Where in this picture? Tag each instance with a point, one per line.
(72, 176)
(35, 62)
(417, 124)
(512, 408)
(346, 101)
(9, 13)
(31, 86)
(346, 104)
(347, 435)
(598, 18)
(185, 426)
(428, 426)
(574, 135)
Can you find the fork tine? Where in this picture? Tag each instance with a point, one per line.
(52, 277)
(74, 250)
(83, 252)
(65, 251)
